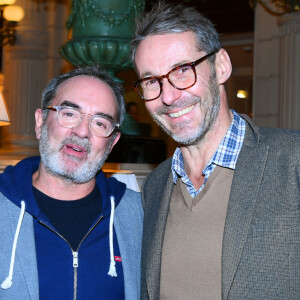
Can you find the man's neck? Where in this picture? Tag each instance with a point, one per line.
(60, 188)
(197, 156)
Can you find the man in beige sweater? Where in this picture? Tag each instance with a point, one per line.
(222, 215)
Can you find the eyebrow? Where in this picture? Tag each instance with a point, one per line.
(69, 104)
(105, 116)
(76, 106)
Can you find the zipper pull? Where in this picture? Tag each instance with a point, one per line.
(75, 259)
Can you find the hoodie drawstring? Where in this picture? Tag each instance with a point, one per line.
(7, 283)
(112, 268)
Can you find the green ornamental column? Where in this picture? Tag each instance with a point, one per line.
(101, 31)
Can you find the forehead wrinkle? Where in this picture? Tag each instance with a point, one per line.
(81, 100)
(76, 106)
(165, 52)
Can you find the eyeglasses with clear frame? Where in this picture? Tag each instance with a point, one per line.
(69, 117)
(181, 78)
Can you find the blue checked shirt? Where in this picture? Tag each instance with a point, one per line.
(226, 155)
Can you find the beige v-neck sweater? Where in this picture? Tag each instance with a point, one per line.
(192, 248)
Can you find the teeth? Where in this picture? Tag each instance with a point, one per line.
(182, 112)
(75, 149)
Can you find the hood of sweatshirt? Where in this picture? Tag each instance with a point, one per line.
(16, 185)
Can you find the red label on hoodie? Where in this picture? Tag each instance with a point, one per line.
(118, 258)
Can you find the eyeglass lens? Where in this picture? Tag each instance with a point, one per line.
(181, 77)
(70, 118)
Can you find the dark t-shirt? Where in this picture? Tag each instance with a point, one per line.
(71, 218)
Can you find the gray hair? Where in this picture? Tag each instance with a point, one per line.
(166, 18)
(93, 71)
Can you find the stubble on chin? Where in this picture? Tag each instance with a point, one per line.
(54, 163)
(209, 107)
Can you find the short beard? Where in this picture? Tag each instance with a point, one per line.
(52, 161)
(210, 105)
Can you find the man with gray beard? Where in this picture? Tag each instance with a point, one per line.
(67, 231)
(50, 158)
(222, 216)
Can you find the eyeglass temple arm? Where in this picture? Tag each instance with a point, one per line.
(200, 60)
(51, 108)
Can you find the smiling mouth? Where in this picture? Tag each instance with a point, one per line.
(75, 149)
(182, 112)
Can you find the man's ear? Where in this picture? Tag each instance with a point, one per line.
(223, 66)
(117, 137)
(38, 123)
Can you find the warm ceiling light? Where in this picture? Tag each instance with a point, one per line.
(13, 13)
(7, 2)
(242, 94)
(10, 15)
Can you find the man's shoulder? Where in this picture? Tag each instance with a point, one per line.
(6, 204)
(158, 176)
(273, 136)
(280, 132)
(161, 170)
(131, 201)
(165, 165)
(132, 195)
(281, 144)
(130, 208)
(278, 137)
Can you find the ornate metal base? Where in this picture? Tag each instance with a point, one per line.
(111, 53)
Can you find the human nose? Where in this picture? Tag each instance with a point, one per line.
(169, 93)
(83, 128)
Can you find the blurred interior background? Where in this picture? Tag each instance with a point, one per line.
(262, 38)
